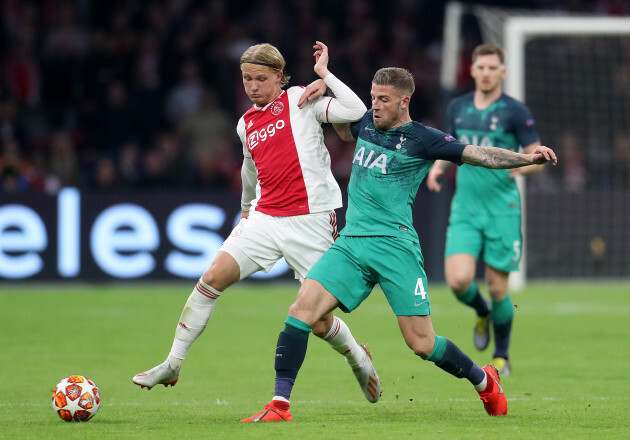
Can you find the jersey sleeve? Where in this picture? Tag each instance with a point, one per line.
(249, 175)
(440, 145)
(356, 127)
(240, 131)
(524, 126)
(249, 178)
(346, 106)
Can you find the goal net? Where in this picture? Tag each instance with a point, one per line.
(574, 75)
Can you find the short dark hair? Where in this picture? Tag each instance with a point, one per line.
(400, 78)
(488, 49)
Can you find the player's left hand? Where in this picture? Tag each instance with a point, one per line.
(313, 91)
(544, 154)
(432, 178)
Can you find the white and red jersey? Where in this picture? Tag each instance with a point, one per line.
(293, 165)
(292, 173)
(286, 144)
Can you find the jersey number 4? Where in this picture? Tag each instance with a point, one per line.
(420, 289)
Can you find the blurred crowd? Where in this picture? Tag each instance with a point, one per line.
(119, 94)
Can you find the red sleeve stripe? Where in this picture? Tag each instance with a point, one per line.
(328, 106)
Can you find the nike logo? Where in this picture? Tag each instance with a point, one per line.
(278, 348)
(371, 129)
(257, 419)
(498, 384)
(500, 387)
(419, 304)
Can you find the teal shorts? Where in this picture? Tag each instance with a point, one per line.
(499, 237)
(351, 268)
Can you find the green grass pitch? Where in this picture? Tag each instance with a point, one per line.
(570, 355)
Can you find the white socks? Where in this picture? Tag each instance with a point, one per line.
(197, 312)
(192, 321)
(483, 384)
(341, 340)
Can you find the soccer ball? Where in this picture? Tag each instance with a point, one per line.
(76, 398)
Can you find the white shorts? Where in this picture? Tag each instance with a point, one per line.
(259, 241)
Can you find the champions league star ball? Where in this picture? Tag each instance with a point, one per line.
(76, 399)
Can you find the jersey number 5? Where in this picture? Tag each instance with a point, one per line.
(517, 250)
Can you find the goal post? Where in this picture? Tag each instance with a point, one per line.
(519, 30)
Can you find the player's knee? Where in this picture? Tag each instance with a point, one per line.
(211, 279)
(497, 294)
(423, 346)
(422, 351)
(219, 278)
(498, 287)
(321, 329)
(298, 311)
(222, 273)
(458, 283)
(308, 312)
(459, 272)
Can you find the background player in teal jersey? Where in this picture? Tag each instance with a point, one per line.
(486, 209)
(379, 244)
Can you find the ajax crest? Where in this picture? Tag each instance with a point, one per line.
(277, 108)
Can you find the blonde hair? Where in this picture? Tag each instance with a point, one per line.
(397, 77)
(266, 55)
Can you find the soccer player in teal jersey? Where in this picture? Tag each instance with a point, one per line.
(379, 244)
(486, 209)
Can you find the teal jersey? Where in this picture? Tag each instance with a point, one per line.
(387, 169)
(507, 124)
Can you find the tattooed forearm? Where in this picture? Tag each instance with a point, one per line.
(496, 158)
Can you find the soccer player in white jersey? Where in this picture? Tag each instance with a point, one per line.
(288, 202)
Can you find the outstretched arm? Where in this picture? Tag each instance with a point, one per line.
(498, 158)
(529, 169)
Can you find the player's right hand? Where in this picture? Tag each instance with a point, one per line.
(313, 91)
